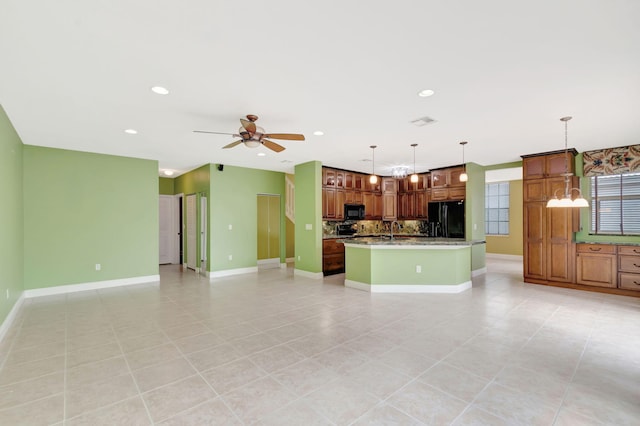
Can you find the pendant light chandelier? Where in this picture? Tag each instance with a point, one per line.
(373, 178)
(414, 176)
(566, 200)
(464, 177)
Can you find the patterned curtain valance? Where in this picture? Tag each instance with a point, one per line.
(612, 161)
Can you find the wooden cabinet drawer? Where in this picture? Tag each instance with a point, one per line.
(629, 281)
(630, 250)
(629, 263)
(596, 248)
(333, 263)
(332, 246)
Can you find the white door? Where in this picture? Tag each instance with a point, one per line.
(167, 229)
(192, 238)
(203, 234)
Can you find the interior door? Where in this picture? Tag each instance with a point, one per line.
(203, 234)
(192, 238)
(167, 232)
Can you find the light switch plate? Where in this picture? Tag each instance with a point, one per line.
(308, 227)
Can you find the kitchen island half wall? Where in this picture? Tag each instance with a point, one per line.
(408, 265)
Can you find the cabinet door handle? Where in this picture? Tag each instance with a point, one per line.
(636, 283)
(636, 265)
(636, 251)
(595, 249)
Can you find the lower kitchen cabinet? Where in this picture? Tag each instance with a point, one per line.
(332, 256)
(596, 265)
(629, 267)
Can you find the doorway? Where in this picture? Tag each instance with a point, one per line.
(268, 231)
(203, 234)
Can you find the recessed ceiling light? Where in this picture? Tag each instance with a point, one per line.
(426, 93)
(131, 131)
(168, 172)
(159, 90)
(318, 133)
(261, 154)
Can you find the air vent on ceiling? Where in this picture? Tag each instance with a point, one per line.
(422, 121)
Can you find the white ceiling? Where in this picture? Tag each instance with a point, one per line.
(75, 74)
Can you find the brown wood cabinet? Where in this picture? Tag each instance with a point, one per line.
(629, 267)
(549, 250)
(596, 265)
(389, 199)
(548, 165)
(332, 256)
(446, 178)
(328, 203)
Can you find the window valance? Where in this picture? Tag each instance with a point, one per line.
(612, 161)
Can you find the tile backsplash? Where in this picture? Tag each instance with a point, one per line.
(379, 227)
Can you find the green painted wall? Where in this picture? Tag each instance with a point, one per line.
(166, 186)
(308, 243)
(474, 214)
(510, 244)
(81, 209)
(234, 201)
(11, 216)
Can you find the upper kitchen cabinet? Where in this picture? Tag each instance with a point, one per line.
(551, 165)
(389, 199)
(446, 185)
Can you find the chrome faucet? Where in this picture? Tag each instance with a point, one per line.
(391, 228)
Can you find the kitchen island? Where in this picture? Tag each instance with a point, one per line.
(408, 265)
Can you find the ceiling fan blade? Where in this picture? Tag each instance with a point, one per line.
(248, 126)
(272, 145)
(215, 133)
(232, 144)
(285, 136)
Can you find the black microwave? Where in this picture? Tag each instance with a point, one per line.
(353, 211)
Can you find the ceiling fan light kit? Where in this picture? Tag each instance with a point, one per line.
(566, 200)
(253, 136)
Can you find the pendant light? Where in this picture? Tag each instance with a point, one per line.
(414, 176)
(566, 200)
(373, 178)
(464, 177)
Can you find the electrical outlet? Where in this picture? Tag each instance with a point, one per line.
(230, 257)
(418, 269)
(298, 257)
(230, 227)
(98, 266)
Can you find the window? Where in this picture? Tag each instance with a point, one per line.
(615, 204)
(496, 208)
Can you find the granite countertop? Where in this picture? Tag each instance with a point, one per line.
(410, 241)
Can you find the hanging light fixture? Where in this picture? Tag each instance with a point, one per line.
(464, 177)
(373, 178)
(414, 176)
(566, 200)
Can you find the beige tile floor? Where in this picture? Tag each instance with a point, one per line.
(274, 349)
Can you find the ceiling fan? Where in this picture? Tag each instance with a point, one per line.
(253, 136)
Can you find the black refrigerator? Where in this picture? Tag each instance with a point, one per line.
(446, 219)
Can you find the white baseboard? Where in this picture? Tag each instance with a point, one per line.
(514, 257)
(307, 274)
(97, 285)
(480, 271)
(408, 288)
(230, 272)
(13, 313)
